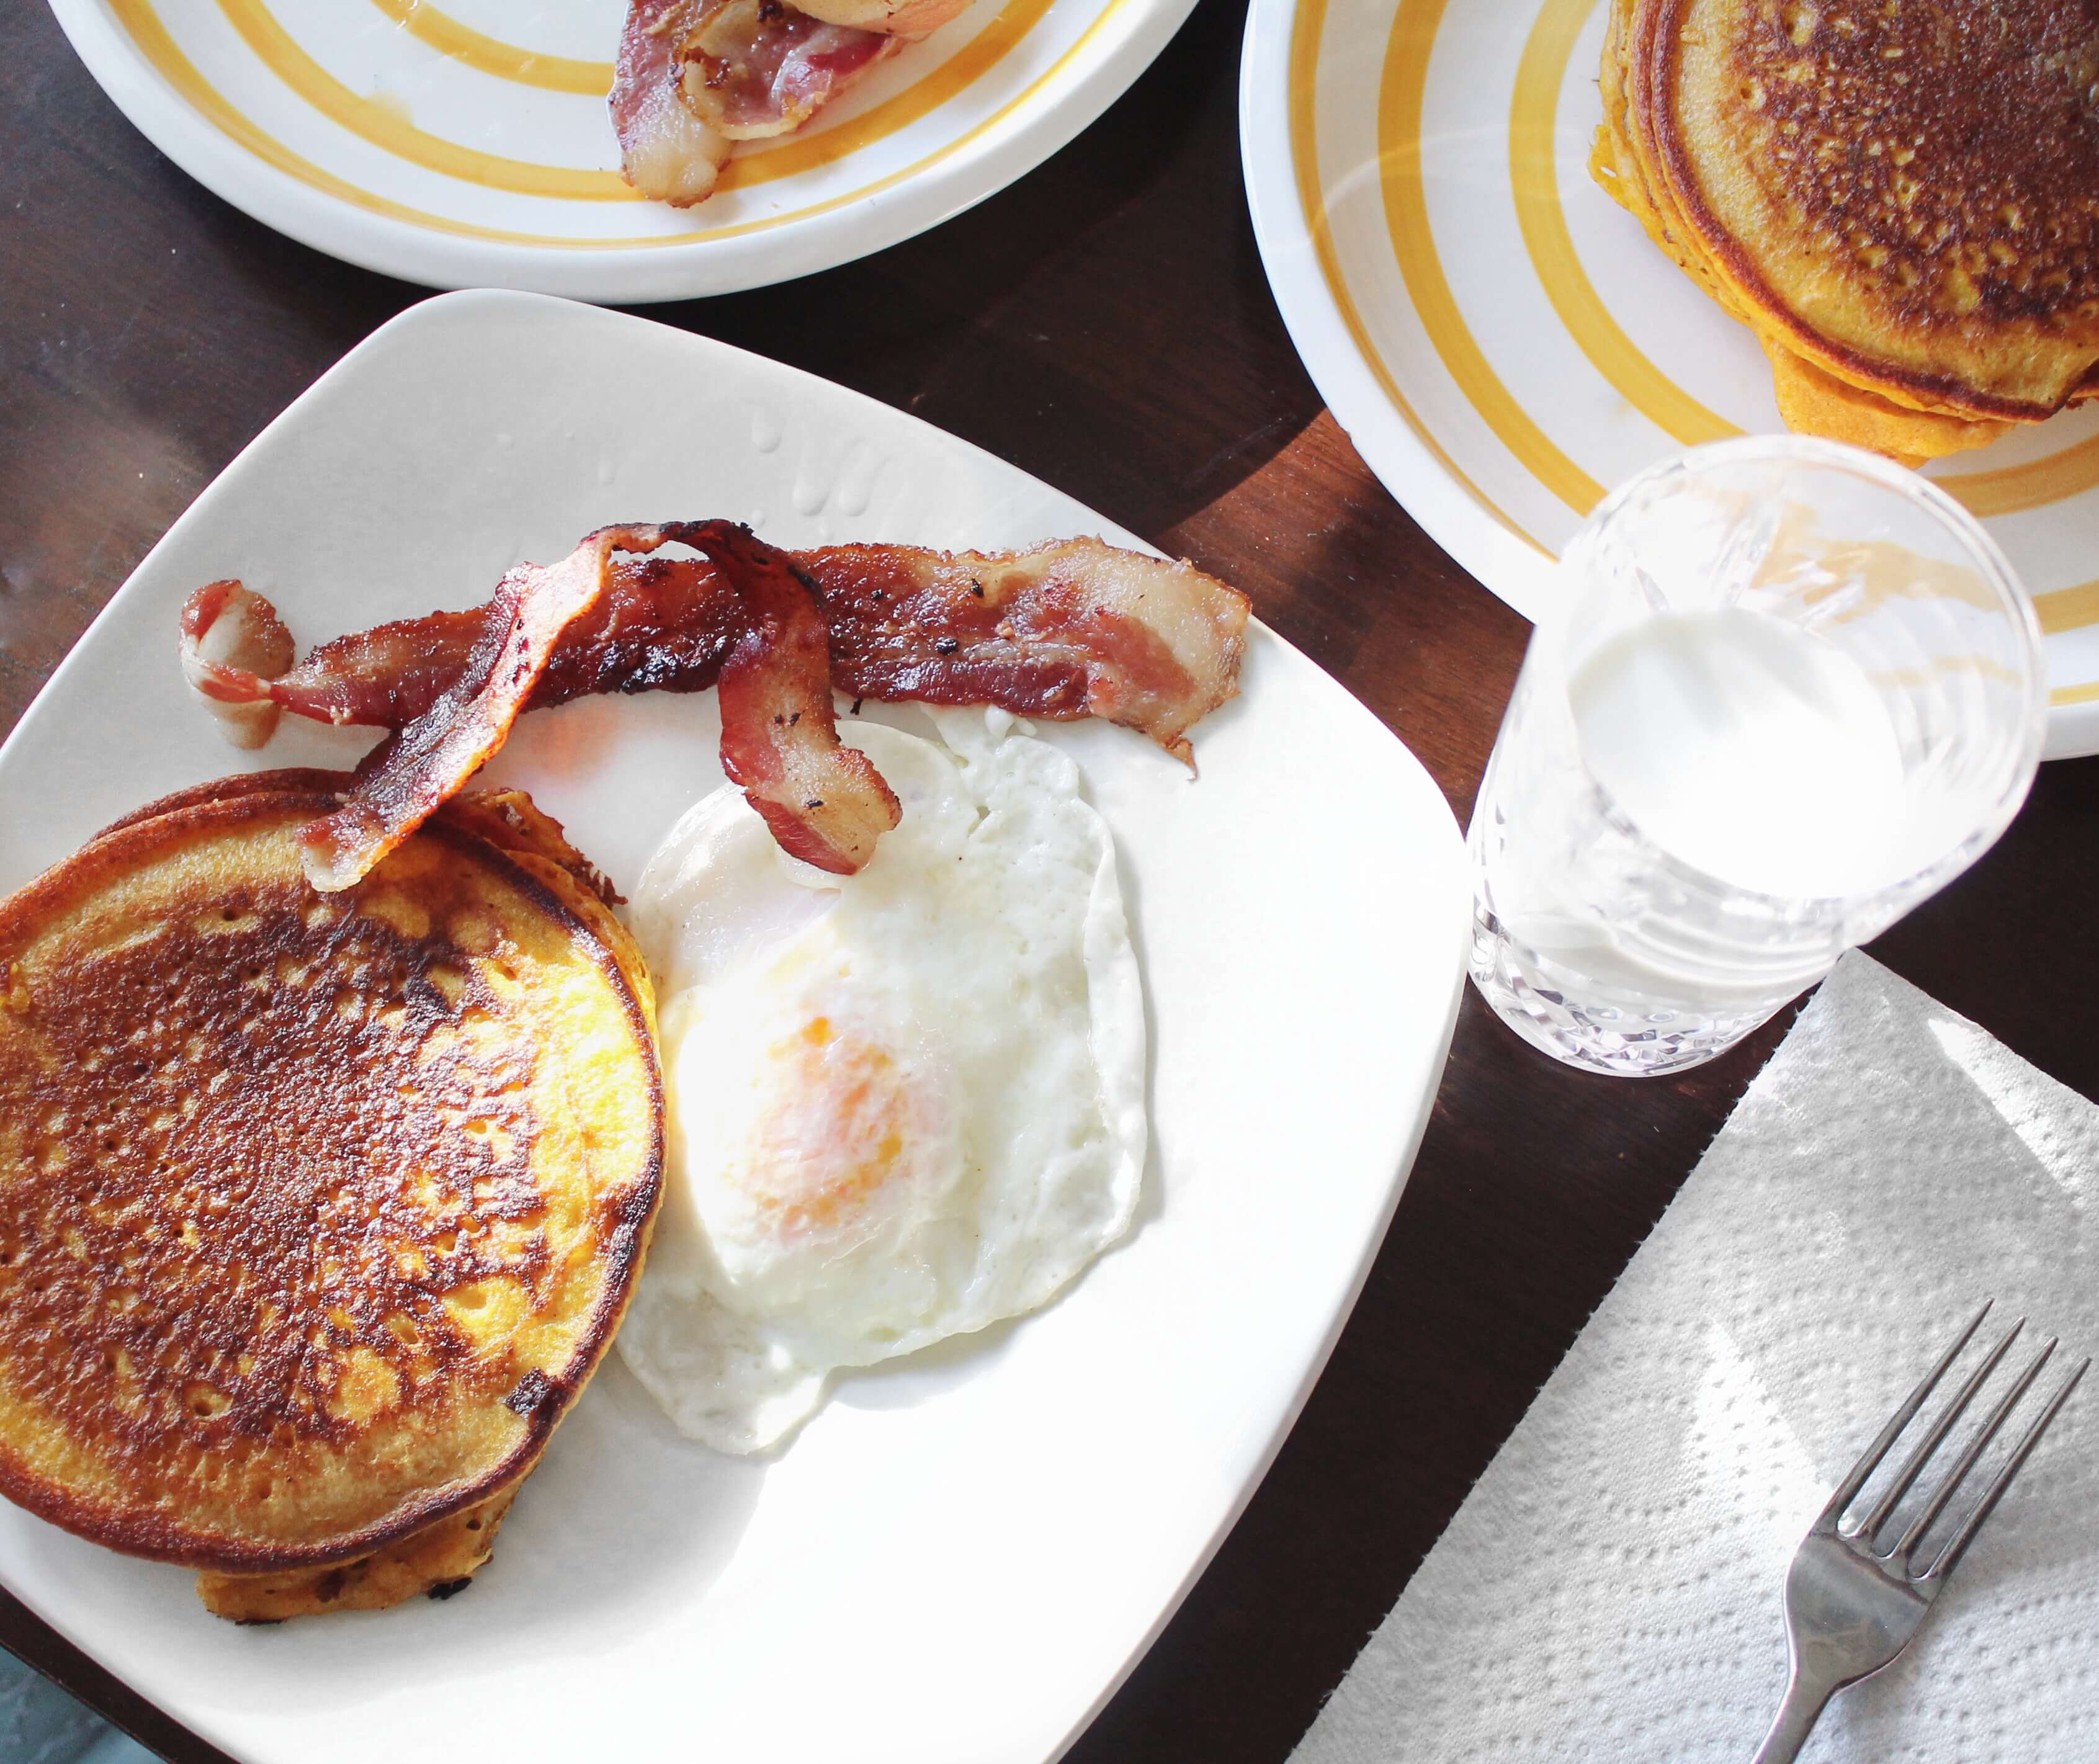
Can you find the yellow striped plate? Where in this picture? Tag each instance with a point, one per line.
(1502, 342)
(465, 143)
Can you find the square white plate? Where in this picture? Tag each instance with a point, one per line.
(960, 1557)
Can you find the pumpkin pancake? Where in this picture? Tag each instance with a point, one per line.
(443, 1557)
(1896, 195)
(315, 1211)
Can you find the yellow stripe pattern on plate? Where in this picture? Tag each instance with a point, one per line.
(1306, 29)
(1402, 93)
(1533, 171)
(492, 56)
(990, 45)
(1533, 140)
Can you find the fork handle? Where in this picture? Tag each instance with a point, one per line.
(1806, 1698)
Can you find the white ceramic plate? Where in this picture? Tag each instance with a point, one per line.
(1504, 344)
(465, 143)
(960, 1557)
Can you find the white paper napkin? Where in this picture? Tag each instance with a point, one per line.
(1611, 1588)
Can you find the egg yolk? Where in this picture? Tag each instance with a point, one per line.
(833, 1136)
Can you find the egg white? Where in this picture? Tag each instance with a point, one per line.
(903, 1104)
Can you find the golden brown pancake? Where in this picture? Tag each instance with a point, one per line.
(1897, 197)
(443, 1557)
(315, 1211)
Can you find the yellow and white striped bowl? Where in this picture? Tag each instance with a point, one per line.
(466, 142)
(1502, 342)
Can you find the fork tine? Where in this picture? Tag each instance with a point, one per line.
(1927, 1447)
(1847, 1490)
(1951, 1481)
(1949, 1558)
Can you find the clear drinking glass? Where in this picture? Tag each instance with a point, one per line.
(1790, 690)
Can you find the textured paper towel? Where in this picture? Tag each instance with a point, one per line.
(1611, 1588)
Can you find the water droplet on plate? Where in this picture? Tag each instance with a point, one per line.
(856, 477)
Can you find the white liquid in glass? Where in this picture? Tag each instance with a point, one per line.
(1743, 746)
(1749, 749)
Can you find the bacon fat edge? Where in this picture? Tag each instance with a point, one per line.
(694, 77)
(666, 152)
(229, 634)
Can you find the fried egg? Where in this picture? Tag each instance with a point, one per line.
(903, 1104)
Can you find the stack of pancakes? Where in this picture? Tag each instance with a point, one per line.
(316, 1211)
(1900, 197)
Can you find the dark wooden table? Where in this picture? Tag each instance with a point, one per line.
(1105, 324)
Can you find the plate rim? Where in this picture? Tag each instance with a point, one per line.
(632, 275)
(1391, 442)
(1448, 836)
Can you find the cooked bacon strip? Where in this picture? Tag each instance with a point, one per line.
(825, 802)
(1067, 630)
(409, 776)
(666, 152)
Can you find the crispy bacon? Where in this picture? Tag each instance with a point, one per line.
(1066, 630)
(409, 776)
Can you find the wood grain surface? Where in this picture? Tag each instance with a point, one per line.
(1104, 324)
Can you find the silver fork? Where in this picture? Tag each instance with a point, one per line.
(1850, 1607)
